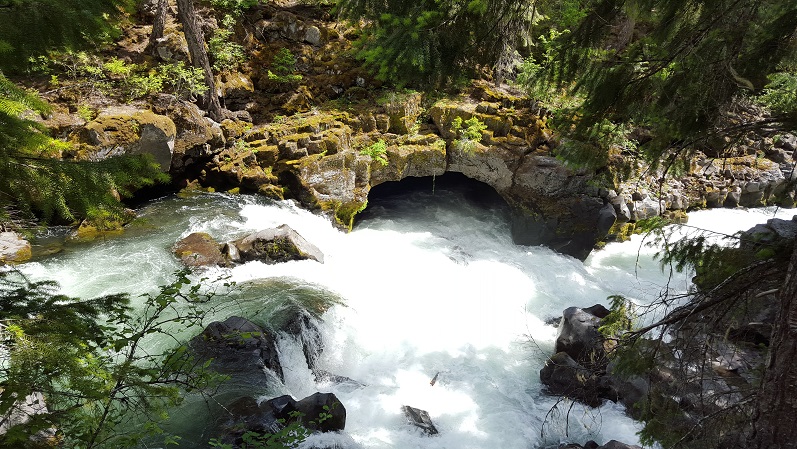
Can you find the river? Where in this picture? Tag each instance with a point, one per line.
(428, 282)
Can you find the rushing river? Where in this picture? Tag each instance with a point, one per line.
(430, 282)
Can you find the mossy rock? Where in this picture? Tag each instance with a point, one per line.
(126, 130)
(234, 129)
(410, 160)
(103, 225)
(13, 248)
(199, 249)
(277, 245)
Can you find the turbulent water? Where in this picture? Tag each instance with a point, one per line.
(429, 282)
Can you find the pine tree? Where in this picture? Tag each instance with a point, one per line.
(672, 67)
(34, 182)
(30, 28)
(431, 42)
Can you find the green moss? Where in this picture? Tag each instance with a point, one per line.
(621, 232)
(343, 213)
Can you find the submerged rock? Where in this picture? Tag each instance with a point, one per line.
(239, 348)
(419, 418)
(565, 377)
(280, 244)
(611, 444)
(321, 412)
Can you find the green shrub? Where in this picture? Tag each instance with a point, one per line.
(186, 82)
(236, 7)
(284, 66)
(470, 135)
(226, 54)
(377, 151)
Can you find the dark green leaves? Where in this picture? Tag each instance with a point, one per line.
(34, 27)
(431, 42)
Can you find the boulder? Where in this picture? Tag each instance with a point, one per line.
(337, 184)
(13, 248)
(127, 130)
(646, 208)
(198, 249)
(554, 206)
(419, 418)
(22, 412)
(565, 377)
(321, 412)
(403, 111)
(304, 328)
(236, 90)
(776, 231)
(198, 137)
(579, 338)
(614, 444)
(280, 244)
(239, 348)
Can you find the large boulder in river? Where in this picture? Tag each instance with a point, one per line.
(239, 348)
(280, 244)
(13, 248)
(579, 337)
(199, 249)
(320, 412)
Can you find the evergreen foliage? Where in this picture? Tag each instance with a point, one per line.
(89, 361)
(225, 53)
(32, 178)
(284, 68)
(33, 181)
(670, 67)
(430, 42)
(29, 28)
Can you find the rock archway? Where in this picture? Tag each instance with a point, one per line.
(550, 204)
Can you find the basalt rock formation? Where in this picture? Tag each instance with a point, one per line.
(310, 135)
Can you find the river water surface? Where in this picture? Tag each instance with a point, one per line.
(428, 282)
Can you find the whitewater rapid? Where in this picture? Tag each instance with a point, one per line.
(430, 284)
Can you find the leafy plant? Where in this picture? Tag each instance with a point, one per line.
(186, 82)
(225, 53)
(88, 359)
(780, 94)
(284, 68)
(377, 151)
(234, 7)
(290, 436)
(86, 113)
(469, 135)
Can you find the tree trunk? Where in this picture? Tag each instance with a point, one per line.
(199, 56)
(159, 24)
(775, 423)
